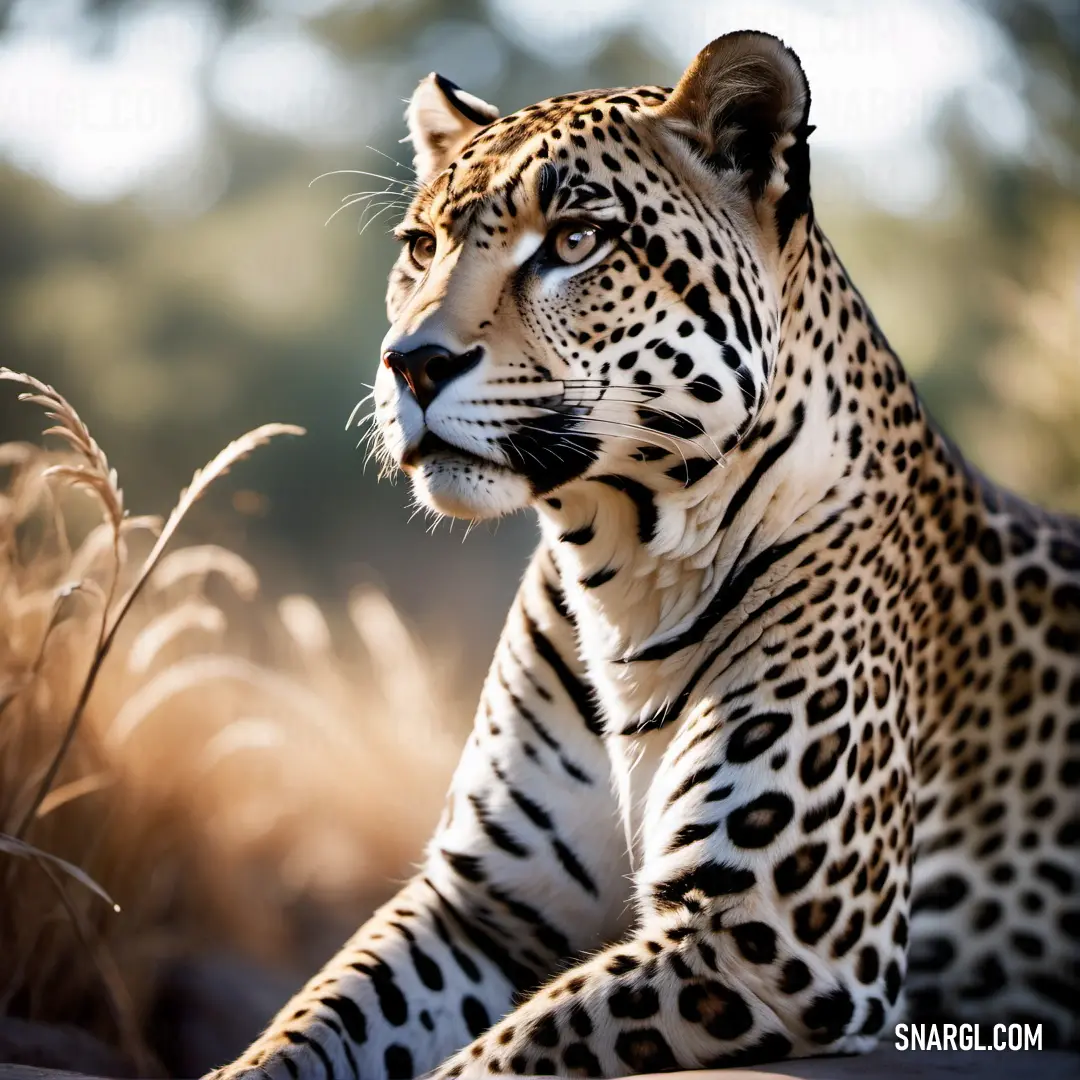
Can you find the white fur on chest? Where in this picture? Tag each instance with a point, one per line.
(634, 762)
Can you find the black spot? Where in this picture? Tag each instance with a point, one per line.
(942, 894)
(790, 689)
(656, 251)
(1055, 989)
(495, 831)
(986, 914)
(756, 735)
(430, 973)
(826, 702)
(794, 977)
(1027, 944)
(572, 866)
(467, 866)
(689, 834)
(691, 470)
(988, 977)
(893, 982)
(814, 919)
(794, 871)
(677, 275)
(931, 954)
(391, 999)
(669, 423)
(645, 1050)
(600, 577)
(351, 1017)
(580, 1022)
(578, 1056)
(621, 963)
(756, 942)
(697, 300)
(828, 1015)
(705, 388)
(875, 1018)
(548, 182)
(759, 822)
(634, 1002)
(845, 942)
(699, 776)
(718, 1008)
(990, 546)
(579, 536)
(1065, 553)
(476, 1017)
(693, 244)
(821, 757)
(710, 878)
(1056, 875)
(839, 871)
(816, 816)
(544, 1031)
(900, 931)
(398, 1061)
(629, 203)
(866, 970)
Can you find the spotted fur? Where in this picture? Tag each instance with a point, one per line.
(782, 736)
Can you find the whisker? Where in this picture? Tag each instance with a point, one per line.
(642, 434)
(350, 202)
(357, 407)
(362, 196)
(404, 184)
(717, 455)
(562, 441)
(591, 405)
(353, 202)
(377, 214)
(382, 153)
(623, 423)
(605, 384)
(371, 205)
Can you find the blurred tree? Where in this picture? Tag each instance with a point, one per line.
(173, 330)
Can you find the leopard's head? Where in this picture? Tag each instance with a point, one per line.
(593, 285)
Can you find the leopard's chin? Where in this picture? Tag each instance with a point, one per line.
(463, 486)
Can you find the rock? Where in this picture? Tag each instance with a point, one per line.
(58, 1046)
(209, 1008)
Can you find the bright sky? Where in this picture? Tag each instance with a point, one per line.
(100, 126)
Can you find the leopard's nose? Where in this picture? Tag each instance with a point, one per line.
(428, 369)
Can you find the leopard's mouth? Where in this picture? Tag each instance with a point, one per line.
(432, 445)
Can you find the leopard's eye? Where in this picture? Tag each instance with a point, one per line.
(575, 242)
(422, 249)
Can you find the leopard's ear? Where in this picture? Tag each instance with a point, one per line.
(744, 104)
(442, 118)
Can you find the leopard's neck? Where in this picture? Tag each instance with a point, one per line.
(646, 569)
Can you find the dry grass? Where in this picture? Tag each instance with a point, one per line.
(208, 761)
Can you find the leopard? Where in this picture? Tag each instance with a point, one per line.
(780, 743)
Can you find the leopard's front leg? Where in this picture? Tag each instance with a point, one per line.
(773, 893)
(525, 871)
